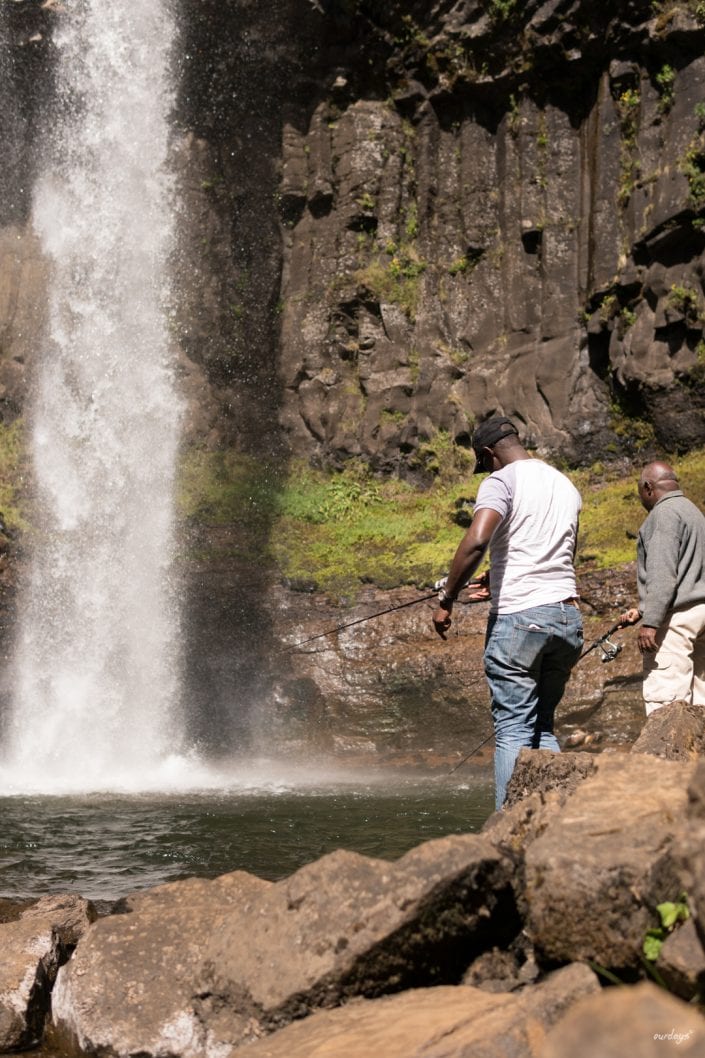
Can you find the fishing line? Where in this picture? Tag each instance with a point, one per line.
(380, 613)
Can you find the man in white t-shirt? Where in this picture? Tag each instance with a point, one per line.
(527, 513)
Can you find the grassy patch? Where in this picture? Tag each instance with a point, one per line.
(395, 279)
(341, 530)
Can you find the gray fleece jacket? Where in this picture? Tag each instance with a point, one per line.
(670, 558)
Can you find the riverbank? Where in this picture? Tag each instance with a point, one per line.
(504, 942)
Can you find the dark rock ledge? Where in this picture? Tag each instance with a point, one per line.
(503, 943)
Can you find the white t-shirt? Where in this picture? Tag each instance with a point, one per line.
(531, 550)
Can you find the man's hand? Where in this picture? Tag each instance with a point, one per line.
(630, 617)
(647, 640)
(480, 594)
(442, 621)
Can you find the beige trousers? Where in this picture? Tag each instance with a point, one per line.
(676, 671)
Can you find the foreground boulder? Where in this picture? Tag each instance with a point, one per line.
(34, 946)
(643, 1020)
(348, 925)
(442, 1022)
(596, 873)
(197, 967)
(129, 987)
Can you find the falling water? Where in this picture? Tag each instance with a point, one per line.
(97, 665)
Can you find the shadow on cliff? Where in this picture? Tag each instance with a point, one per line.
(246, 70)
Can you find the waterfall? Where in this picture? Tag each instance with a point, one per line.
(97, 679)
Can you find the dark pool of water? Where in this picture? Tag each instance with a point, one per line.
(104, 846)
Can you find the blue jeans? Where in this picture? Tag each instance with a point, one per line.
(528, 659)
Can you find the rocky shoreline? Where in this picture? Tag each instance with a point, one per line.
(502, 943)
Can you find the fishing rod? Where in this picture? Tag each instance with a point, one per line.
(609, 651)
(472, 752)
(607, 648)
(380, 613)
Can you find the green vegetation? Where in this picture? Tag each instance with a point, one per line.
(502, 10)
(692, 165)
(628, 106)
(395, 279)
(670, 915)
(685, 301)
(637, 433)
(366, 201)
(665, 81)
(345, 528)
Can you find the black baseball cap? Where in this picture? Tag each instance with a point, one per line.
(488, 433)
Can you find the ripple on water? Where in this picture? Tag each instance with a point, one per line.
(104, 845)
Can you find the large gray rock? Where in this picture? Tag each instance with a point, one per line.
(347, 926)
(644, 1021)
(597, 872)
(444, 1022)
(129, 987)
(34, 946)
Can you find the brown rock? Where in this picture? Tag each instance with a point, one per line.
(33, 948)
(596, 874)
(29, 965)
(128, 988)
(691, 849)
(441, 1022)
(348, 925)
(540, 770)
(674, 732)
(643, 1020)
(681, 962)
(69, 914)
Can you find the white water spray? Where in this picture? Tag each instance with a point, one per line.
(97, 666)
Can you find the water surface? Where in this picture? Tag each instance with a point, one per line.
(104, 846)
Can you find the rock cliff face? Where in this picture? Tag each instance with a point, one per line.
(509, 220)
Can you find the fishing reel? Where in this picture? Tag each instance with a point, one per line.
(609, 650)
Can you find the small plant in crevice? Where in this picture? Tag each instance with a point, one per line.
(628, 106)
(635, 432)
(441, 456)
(366, 201)
(692, 165)
(665, 82)
(502, 10)
(395, 280)
(684, 300)
(513, 116)
(671, 914)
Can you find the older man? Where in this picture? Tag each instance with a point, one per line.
(527, 513)
(671, 585)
